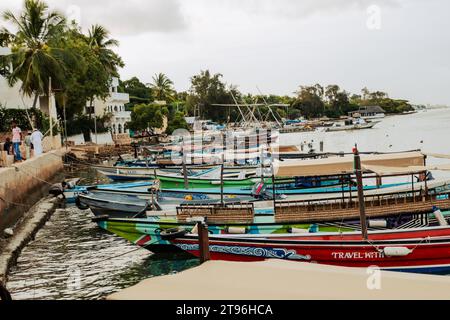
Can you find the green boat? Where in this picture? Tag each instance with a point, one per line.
(147, 232)
(176, 181)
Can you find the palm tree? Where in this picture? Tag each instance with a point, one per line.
(162, 87)
(33, 58)
(99, 41)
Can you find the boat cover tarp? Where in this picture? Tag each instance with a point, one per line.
(282, 280)
(384, 170)
(345, 164)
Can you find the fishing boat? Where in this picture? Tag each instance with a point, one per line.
(424, 250)
(322, 215)
(351, 124)
(71, 191)
(120, 206)
(240, 237)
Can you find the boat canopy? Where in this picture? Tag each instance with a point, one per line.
(345, 164)
(384, 170)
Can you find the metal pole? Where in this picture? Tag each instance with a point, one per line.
(95, 126)
(221, 180)
(362, 204)
(65, 120)
(186, 182)
(261, 159)
(274, 191)
(50, 110)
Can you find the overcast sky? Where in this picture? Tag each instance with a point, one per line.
(398, 46)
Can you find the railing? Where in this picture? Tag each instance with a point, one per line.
(218, 213)
(120, 96)
(412, 202)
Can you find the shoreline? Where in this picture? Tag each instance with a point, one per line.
(25, 232)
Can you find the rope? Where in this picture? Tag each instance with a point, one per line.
(412, 250)
(33, 176)
(13, 203)
(123, 254)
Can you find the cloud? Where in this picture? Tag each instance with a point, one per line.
(123, 18)
(290, 8)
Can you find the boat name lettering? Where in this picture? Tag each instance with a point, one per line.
(357, 255)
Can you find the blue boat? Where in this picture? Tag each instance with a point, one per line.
(72, 192)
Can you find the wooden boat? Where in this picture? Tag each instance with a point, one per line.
(173, 180)
(244, 239)
(424, 250)
(351, 125)
(120, 206)
(72, 191)
(388, 211)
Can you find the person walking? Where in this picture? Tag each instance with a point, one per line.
(7, 146)
(16, 140)
(36, 140)
(27, 142)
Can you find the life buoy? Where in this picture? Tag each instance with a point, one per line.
(172, 233)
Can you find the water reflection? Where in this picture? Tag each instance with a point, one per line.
(71, 258)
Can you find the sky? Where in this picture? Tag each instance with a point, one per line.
(273, 46)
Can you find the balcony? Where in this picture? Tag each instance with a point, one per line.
(119, 97)
(122, 114)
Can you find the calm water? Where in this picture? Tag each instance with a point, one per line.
(71, 258)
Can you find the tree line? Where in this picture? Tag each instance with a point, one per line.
(47, 47)
(50, 55)
(207, 90)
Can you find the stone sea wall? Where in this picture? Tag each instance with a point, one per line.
(23, 184)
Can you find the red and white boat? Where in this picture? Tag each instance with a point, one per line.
(424, 250)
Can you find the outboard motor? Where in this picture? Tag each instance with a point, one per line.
(258, 190)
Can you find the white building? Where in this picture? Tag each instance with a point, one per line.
(115, 105)
(12, 97)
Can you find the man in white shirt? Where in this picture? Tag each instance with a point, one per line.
(36, 140)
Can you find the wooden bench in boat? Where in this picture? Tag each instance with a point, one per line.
(377, 206)
(217, 213)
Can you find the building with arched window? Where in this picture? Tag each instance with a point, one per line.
(115, 106)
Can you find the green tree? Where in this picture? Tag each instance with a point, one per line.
(33, 57)
(177, 121)
(337, 102)
(138, 91)
(206, 90)
(100, 42)
(309, 101)
(101, 67)
(162, 88)
(145, 117)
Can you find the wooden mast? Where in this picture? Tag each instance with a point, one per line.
(361, 201)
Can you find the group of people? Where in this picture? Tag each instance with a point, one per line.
(31, 140)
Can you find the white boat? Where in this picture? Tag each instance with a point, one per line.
(351, 124)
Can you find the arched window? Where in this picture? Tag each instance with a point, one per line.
(114, 128)
(120, 129)
(115, 108)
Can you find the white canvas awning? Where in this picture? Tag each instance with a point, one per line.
(383, 170)
(345, 164)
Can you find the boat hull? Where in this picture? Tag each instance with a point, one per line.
(429, 250)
